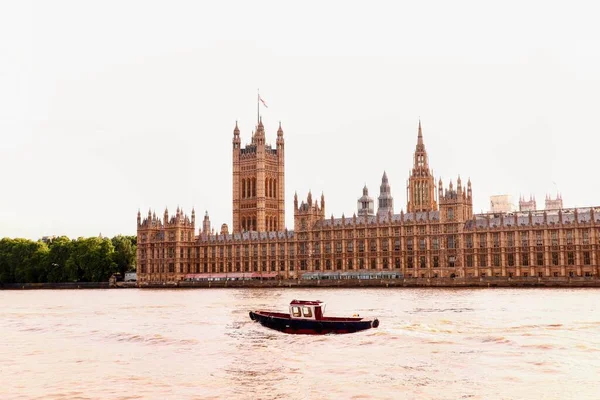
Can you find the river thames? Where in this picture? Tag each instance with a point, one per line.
(201, 344)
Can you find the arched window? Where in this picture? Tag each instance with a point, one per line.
(416, 194)
(243, 188)
(266, 187)
(274, 188)
(253, 187)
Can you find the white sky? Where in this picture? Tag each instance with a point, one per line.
(111, 106)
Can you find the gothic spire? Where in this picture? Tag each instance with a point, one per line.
(385, 201)
(421, 186)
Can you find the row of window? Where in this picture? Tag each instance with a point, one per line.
(538, 258)
(481, 260)
(496, 239)
(249, 224)
(248, 188)
(318, 248)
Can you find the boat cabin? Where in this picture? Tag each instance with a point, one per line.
(306, 309)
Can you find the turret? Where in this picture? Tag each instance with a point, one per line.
(469, 194)
(421, 185)
(206, 224)
(454, 205)
(554, 204)
(236, 137)
(259, 136)
(365, 203)
(224, 229)
(307, 214)
(527, 205)
(385, 201)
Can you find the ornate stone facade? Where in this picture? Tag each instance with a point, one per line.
(258, 183)
(428, 241)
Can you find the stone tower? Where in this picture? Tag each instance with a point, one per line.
(385, 201)
(206, 224)
(306, 214)
(258, 183)
(420, 190)
(554, 204)
(163, 245)
(456, 205)
(365, 203)
(527, 205)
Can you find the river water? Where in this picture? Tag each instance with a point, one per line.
(201, 344)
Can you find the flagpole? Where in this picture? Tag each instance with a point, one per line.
(257, 106)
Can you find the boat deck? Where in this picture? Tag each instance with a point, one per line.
(324, 319)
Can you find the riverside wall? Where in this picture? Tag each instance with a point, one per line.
(574, 282)
(559, 282)
(61, 285)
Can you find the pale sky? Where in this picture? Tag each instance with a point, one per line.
(107, 107)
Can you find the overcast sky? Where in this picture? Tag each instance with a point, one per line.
(107, 107)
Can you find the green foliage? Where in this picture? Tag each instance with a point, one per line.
(60, 251)
(125, 253)
(64, 260)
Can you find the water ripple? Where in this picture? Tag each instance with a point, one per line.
(200, 344)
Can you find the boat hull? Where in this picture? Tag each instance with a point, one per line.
(285, 324)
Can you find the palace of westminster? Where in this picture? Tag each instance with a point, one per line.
(437, 237)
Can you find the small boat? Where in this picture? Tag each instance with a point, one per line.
(306, 318)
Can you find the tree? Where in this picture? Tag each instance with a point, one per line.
(22, 261)
(91, 260)
(65, 260)
(7, 269)
(56, 267)
(125, 253)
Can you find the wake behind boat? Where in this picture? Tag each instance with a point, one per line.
(307, 318)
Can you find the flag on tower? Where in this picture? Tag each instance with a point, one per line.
(262, 101)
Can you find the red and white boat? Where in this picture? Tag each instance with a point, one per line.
(307, 317)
